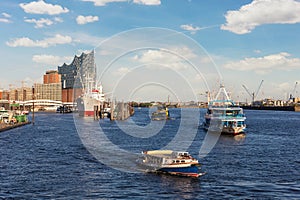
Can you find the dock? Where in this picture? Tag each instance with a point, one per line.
(5, 127)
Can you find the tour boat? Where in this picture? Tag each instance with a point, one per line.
(223, 115)
(170, 162)
(162, 113)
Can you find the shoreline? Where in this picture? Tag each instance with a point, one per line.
(5, 127)
(276, 108)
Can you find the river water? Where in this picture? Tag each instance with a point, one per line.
(58, 158)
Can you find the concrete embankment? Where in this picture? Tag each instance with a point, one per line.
(279, 108)
(5, 127)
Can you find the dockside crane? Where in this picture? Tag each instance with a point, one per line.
(253, 95)
(292, 95)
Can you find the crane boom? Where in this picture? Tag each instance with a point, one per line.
(247, 90)
(292, 94)
(294, 90)
(258, 88)
(253, 95)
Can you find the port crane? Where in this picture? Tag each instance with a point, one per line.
(292, 95)
(253, 95)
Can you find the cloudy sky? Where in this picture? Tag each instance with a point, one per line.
(157, 48)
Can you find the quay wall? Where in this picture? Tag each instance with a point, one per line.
(279, 108)
(5, 127)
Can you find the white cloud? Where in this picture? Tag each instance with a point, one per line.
(121, 71)
(257, 51)
(260, 12)
(175, 58)
(27, 42)
(40, 23)
(6, 18)
(85, 38)
(190, 27)
(284, 86)
(58, 19)
(103, 2)
(51, 60)
(143, 2)
(40, 7)
(280, 61)
(6, 15)
(147, 2)
(86, 19)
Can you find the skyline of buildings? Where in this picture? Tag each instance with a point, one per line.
(70, 81)
(65, 84)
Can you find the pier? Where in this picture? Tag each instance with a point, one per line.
(5, 127)
(113, 111)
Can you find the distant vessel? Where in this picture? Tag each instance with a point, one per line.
(170, 162)
(229, 117)
(162, 113)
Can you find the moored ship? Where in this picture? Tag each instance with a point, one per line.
(91, 98)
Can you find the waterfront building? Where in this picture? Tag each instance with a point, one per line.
(51, 91)
(52, 76)
(17, 94)
(51, 88)
(74, 76)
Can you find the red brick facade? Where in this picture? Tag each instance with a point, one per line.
(52, 76)
(70, 95)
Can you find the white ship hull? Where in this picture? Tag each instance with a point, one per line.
(86, 106)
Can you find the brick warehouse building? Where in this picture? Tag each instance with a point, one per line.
(50, 88)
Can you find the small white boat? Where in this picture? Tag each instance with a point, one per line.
(170, 162)
(162, 113)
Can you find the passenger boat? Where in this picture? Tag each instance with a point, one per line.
(170, 162)
(228, 117)
(162, 113)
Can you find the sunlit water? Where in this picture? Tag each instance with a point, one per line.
(49, 160)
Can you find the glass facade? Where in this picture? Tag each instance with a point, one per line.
(79, 72)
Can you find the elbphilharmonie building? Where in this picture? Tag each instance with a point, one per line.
(75, 76)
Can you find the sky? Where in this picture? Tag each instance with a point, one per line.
(157, 49)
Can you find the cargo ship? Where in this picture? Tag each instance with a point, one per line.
(92, 98)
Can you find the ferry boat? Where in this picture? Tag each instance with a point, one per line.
(170, 162)
(162, 113)
(228, 117)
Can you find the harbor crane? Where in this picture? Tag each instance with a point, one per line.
(253, 95)
(292, 95)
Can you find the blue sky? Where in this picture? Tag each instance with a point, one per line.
(247, 41)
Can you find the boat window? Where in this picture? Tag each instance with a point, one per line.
(177, 161)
